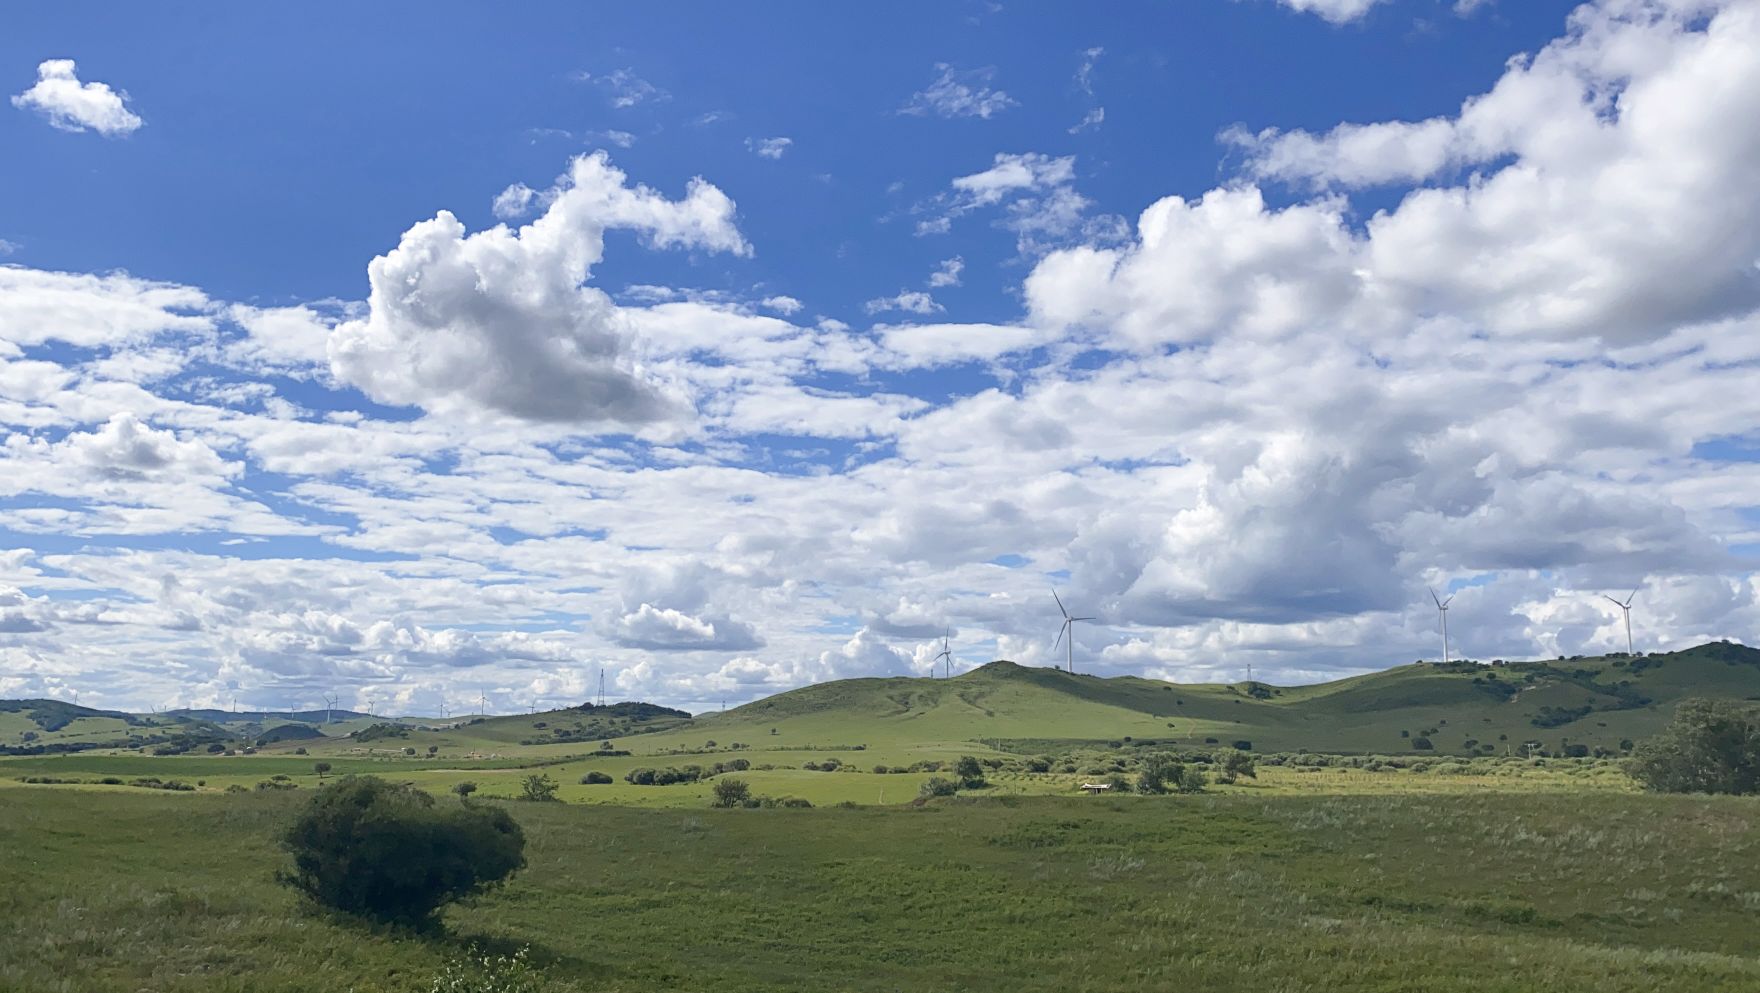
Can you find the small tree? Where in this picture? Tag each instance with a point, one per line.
(1158, 768)
(371, 848)
(322, 768)
(464, 790)
(1191, 780)
(731, 792)
(538, 789)
(1232, 765)
(970, 772)
(1711, 746)
(432, 749)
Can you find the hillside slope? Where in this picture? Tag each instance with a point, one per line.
(1597, 702)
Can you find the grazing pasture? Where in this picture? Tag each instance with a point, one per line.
(1472, 891)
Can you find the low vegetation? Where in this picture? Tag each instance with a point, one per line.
(1711, 746)
(392, 853)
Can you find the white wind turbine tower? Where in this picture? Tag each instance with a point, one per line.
(1626, 608)
(330, 708)
(1067, 633)
(945, 656)
(482, 703)
(1442, 608)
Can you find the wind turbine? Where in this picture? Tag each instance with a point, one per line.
(1626, 608)
(482, 704)
(1442, 608)
(945, 656)
(1066, 633)
(330, 708)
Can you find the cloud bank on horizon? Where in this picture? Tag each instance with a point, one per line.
(627, 417)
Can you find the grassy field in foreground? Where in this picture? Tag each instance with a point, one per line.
(1476, 891)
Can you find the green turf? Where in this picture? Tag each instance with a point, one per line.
(1500, 891)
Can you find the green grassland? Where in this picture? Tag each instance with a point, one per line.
(1477, 891)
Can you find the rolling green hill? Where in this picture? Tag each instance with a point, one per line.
(1598, 702)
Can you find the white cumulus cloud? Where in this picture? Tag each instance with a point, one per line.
(500, 321)
(71, 105)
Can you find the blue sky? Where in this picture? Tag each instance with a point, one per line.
(1243, 322)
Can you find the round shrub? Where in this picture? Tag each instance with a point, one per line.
(731, 793)
(387, 852)
(595, 778)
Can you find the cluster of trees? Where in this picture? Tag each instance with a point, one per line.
(686, 774)
(1162, 773)
(968, 774)
(731, 792)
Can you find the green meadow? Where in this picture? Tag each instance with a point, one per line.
(1509, 851)
(1251, 891)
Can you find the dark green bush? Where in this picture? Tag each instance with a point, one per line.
(1711, 746)
(731, 792)
(370, 848)
(938, 786)
(595, 779)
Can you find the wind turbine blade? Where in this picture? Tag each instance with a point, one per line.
(1084, 618)
(1433, 596)
(1616, 603)
(1634, 595)
(1060, 607)
(1060, 632)
(1450, 600)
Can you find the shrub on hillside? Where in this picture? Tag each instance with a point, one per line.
(970, 772)
(370, 848)
(595, 779)
(1233, 765)
(1711, 746)
(938, 786)
(538, 789)
(731, 792)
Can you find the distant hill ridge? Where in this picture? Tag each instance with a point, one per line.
(1599, 702)
(1602, 702)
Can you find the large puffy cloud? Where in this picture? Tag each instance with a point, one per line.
(126, 448)
(499, 321)
(71, 105)
(1615, 198)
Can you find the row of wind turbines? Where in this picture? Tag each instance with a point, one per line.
(1066, 632)
(1625, 607)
